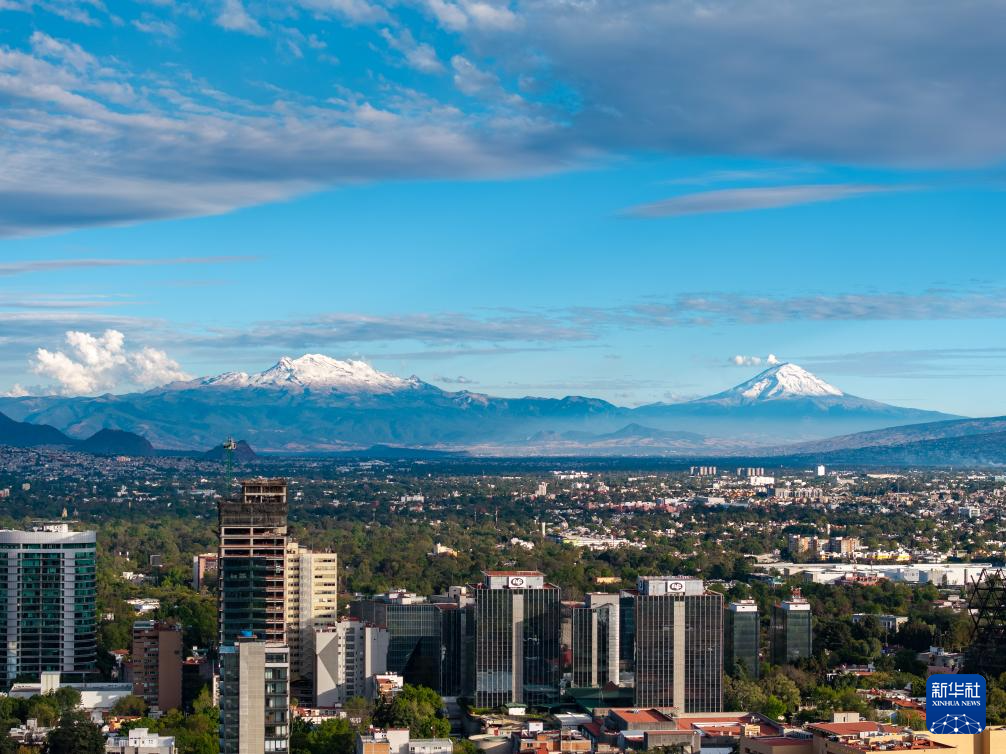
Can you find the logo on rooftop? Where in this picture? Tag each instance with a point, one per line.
(516, 582)
(955, 704)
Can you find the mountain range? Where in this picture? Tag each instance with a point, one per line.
(315, 403)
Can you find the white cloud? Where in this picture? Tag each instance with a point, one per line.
(753, 361)
(185, 149)
(17, 391)
(357, 11)
(234, 17)
(477, 14)
(96, 363)
(418, 55)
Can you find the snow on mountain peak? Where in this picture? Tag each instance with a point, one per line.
(314, 370)
(786, 381)
(778, 383)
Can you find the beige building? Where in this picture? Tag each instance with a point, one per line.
(312, 594)
(992, 740)
(862, 737)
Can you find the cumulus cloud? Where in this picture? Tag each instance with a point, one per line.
(753, 361)
(95, 363)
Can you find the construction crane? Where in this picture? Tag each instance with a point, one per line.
(229, 447)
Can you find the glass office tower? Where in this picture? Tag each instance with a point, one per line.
(792, 630)
(594, 641)
(742, 638)
(415, 626)
(516, 639)
(679, 645)
(47, 589)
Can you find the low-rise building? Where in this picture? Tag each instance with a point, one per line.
(398, 741)
(140, 741)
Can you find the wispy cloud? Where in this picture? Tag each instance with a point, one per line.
(234, 16)
(431, 329)
(760, 197)
(710, 308)
(52, 265)
(151, 145)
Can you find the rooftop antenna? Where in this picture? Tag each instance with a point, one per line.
(229, 447)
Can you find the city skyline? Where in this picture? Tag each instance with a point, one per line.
(477, 194)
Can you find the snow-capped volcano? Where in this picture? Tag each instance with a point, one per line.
(781, 382)
(314, 371)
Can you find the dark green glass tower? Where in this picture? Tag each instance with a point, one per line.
(742, 638)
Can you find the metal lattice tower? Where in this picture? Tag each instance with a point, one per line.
(987, 601)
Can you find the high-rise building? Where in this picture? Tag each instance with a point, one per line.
(679, 645)
(627, 633)
(157, 664)
(348, 655)
(252, 562)
(742, 638)
(516, 639)
(458, 636)
(254, 697)
(47, 589)
(792, 630)
(312, 596)
(594, 641)
(415, 626)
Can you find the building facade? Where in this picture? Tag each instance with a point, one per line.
(47, 589)
(254, 697)
(415, 626)
(348, 656)
(516, 652)
(792, 630)
(679, 645)
(594, 641)
(157, 664)
(742, 638)
(252, 562)
(312, 600)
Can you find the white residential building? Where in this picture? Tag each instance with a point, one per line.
(348, 655)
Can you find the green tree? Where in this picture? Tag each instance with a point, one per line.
(334, 736)
(130, 706)
(417, 708)
(75, 734)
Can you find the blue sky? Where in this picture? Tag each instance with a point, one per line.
(617, 198)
